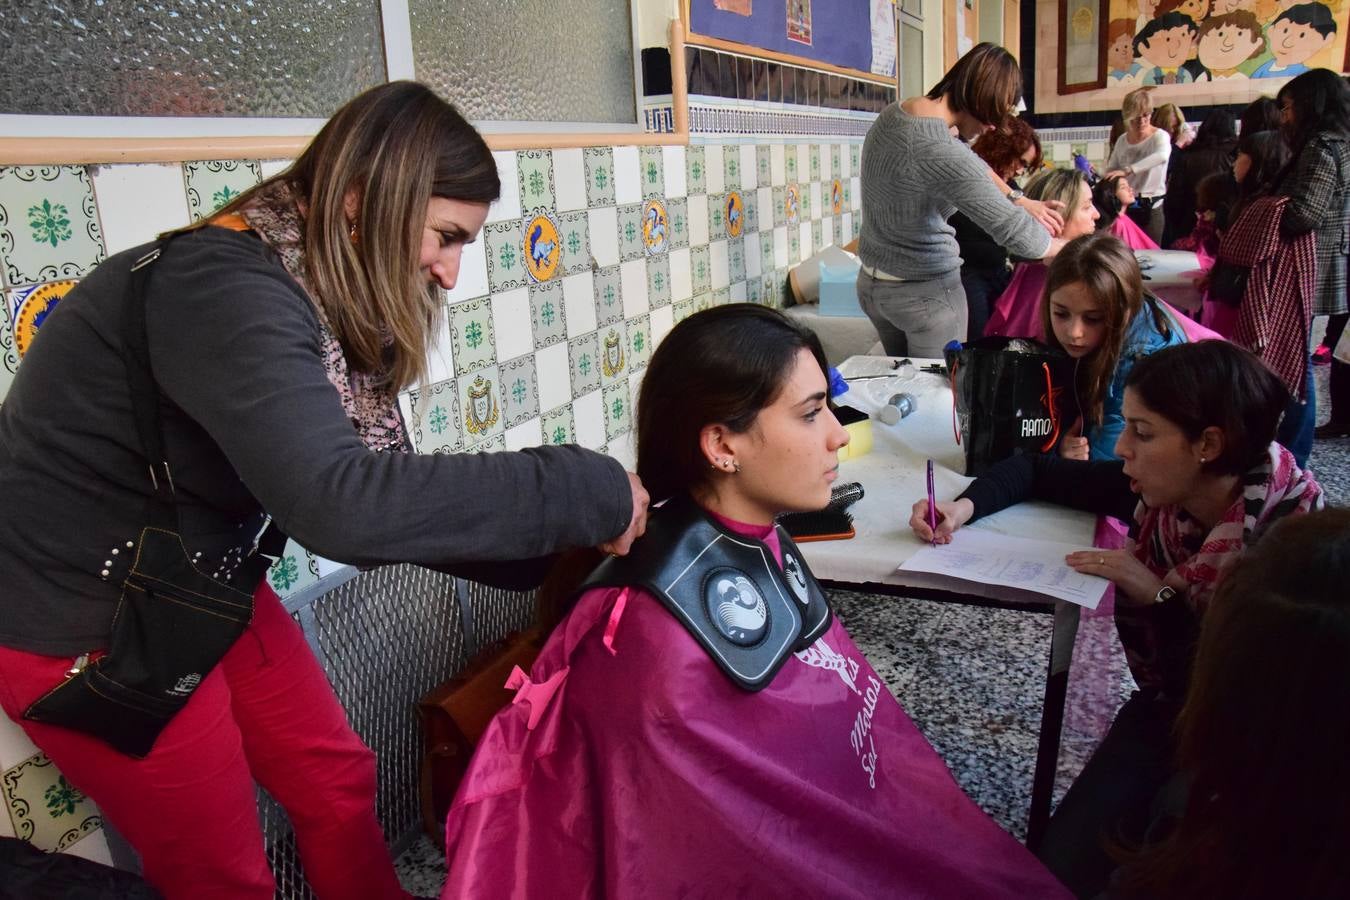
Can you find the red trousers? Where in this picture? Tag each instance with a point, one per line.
(266, 713)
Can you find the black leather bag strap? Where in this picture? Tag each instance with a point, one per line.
(160, 508)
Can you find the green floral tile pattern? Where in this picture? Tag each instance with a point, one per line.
(696, 176)
(520, 390)
(583, 358)
(618, 410)
(435, 421)
(212, 183)
(736, 260)
(295, 570)
(535, 171)
(639, 343)
(731, 166)
(651, 168)
(717, 217)
(631, 245)
(764, 166)
(49, 226)
(815, 162)
(855, 158)
(472, 335)
(658, 281)
(558, 426)
(779, 205)
(678, 213)
(574, 232)
(599, 176)
(700, 268)
(505, 264)
(608, 285)
(683, 309)
(790, 161)
(44, 808)
(547, 314)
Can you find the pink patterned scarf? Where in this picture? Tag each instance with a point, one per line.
(373, 408)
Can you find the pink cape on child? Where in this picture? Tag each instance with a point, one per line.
(1017, 311)
(1131, 234)
(644, 772)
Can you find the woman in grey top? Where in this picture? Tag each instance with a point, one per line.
(915, 174)
(273, 340)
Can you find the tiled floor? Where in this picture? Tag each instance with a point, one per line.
(972, 678)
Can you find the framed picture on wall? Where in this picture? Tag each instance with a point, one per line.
(1082, 45)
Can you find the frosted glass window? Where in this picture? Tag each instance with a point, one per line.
(298, 58)
(911, 61)
(528, 60)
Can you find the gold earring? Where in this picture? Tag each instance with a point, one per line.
(352, 233)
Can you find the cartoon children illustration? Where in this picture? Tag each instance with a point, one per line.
(1196, 9)
(1120, 51)
(1165, 44)
(1297, 34)
(1226, 42)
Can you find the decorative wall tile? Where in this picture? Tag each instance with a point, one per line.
(558, 427)
(569, 179)
(523, 436)
(579, 303)
(618, 411)
(511, 323)
(718, 265)
(764, 165)
(553, 375)
(295, 569)
(836, 169)
(736, 259)
(653, 172)
(790, 157)
(695, 170)
(778, 165)
(779, 205)
(721, 296)
(731, 170)
(547, 315)
(584, 359)
(698, 219)
(631, 245)
(576, 240)
(700, 268)
(766, 249)
(780, 247)
(599, 176)
(714, 169)
(678, 212)
(655, 227)
(613, 344)
(633, 281)
(480, 399)
(9, 359)
(507, 206)
(804, 240)
(490, 445)
(603, 232)
(608, 295)
(505, 265)
(750, 254)
(658, 281)
(855, 158)
(764, 208)
(46, 810)
(639, 343)
(542, 248)
(754, 289)
(588, 416)
(817, 234)
(211, 183)
(536, 178)
(794, 235)
(519, 390)
(814, 193)
(441, 355)
(471, 331)
(48, 224)
(681, 281)
(627, 175)
(749, 167)
(434, 418)
(683, 310)
(738, 292)
(661, 321)
(27, 308)
(815, 161)
(137, 202)
(717, 222)
(676, 174)
(799, 203)
(845, 162)
(750, 210)
(472, 280)
(853, 194)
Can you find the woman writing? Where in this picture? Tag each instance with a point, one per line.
(1200, 478)
(251, 370)
(915, 174)
(1141, 155)
(1016, 311)
(698, 724)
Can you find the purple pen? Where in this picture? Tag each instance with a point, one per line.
(932, 504)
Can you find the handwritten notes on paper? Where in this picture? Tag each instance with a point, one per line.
(1018, 564)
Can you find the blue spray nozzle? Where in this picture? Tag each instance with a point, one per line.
(837, 383)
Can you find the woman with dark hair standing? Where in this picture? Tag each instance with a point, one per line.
(1211, 152)
(1315, 110)
(1262, 114)
(915, 174)
(1270, 685)
(1011, 153)
(698, 724)
(1200, 478)
(185, 395)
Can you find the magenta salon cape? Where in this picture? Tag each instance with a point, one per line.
(629, 765)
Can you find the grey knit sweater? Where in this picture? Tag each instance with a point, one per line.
(914, 176)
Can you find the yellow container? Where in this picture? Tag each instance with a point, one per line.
(859, 440)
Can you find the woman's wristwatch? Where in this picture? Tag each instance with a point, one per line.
(1014, 195)
(1165, 593)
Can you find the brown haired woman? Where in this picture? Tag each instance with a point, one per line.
(1200, 478)
(915, 174)
(278, 335)
(1262, 736)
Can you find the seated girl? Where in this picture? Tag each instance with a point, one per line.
(1271, 684)
(1112, 196)
(1200, 478)
(1095, 309)
(1214, 196)
(1015, 313)
(699, 724)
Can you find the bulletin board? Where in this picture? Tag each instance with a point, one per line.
(835, 32)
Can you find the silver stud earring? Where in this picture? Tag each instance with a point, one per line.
(1202, 460)
(736, 466)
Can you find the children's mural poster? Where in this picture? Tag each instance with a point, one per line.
(799, 21)
(1166, 42)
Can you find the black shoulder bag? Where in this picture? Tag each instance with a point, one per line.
(173, 622)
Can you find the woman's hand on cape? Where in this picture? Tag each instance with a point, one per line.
(620, 545)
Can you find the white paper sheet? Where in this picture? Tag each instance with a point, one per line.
(1021, 565)
(883, 37)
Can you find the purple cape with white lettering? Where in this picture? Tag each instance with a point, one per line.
(649, 774)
